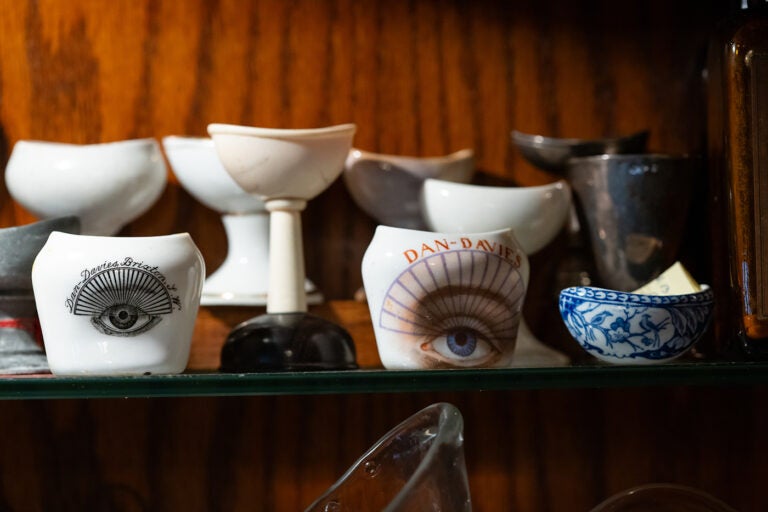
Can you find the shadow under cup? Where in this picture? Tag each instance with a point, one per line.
(634, 209)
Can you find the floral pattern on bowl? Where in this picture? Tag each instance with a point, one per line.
(630, 328)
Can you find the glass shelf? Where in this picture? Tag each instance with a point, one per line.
(383, 381)
(202, 379)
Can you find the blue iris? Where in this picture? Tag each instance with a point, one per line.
(461, 343)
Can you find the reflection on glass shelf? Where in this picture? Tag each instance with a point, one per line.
(384, 381)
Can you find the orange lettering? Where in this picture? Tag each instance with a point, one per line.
(466, 243)
(443, 244)
(411, 255)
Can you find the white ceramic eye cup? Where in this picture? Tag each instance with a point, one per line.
(445, 300)
(117, 306)
(243, 278)
(107, 185)
(536, 214)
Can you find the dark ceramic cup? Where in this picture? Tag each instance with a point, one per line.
(634, 209)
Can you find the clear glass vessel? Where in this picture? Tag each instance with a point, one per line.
(662, 498)
(417, 466)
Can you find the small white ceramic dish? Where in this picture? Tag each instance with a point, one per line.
(387, 187)
(243, 277)
(105, 185)
(632, 328)
(117, 305)
(535, 214)
(445, 300)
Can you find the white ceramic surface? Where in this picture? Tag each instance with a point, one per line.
(445, 300)
(283, 164)
(197, 166)
(105, 185)
(387, 187)
(117, 305)
(286, 168)
(535, 214)
(243, 278)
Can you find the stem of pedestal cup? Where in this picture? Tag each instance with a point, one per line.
(286, 257)
(247, 236)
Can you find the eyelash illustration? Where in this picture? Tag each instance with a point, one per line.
(463, 306)
(123, 301)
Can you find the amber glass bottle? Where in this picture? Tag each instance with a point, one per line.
(738, 150)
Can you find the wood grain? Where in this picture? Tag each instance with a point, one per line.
(539, 450)
(419, 78)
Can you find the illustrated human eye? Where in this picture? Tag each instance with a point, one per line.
(461, 345)
(123, 301)
(459, 308)
(125, 320)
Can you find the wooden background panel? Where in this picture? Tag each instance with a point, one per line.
(419, 78)
(557, 451)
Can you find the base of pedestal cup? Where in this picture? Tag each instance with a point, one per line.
(219, 293)
(288, 342)
(240, 299)
(531, 352)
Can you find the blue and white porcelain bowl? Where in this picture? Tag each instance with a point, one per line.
(632, 328)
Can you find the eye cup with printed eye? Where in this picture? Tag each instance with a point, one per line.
(123, 301)
(459, 309)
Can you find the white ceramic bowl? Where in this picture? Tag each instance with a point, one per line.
(197, 166)
(105, 185)
(536, 214)
(117, 305)
(283, 164)
(632, 328)
(445, 300)
(387, 187)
